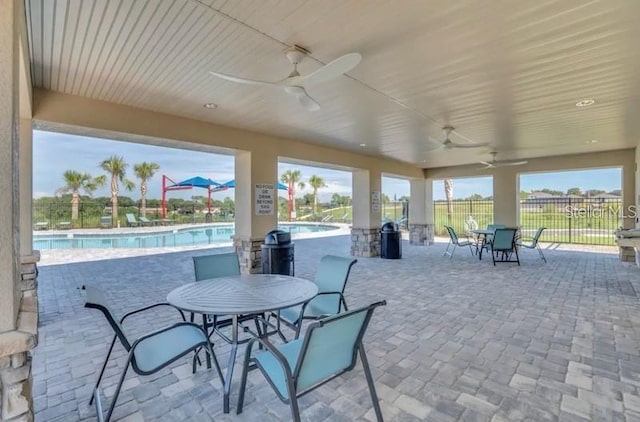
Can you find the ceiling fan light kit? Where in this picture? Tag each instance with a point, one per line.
(294, 84)
(449, 144)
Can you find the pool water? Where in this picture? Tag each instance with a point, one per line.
(205, 235)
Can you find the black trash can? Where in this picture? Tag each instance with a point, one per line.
(208, 218)
(390, 244)
(277, 253)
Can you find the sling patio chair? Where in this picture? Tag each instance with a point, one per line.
(209, 267)
(503, 243)
(455, 242)
(149, 353)
(131, 221)
(144, 221)
(331, 279)
(535, 243)
(329, 348)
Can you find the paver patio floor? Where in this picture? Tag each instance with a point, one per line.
(459, 340)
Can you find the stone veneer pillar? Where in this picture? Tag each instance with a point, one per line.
(16, 401)
(365, 242)
(367, 201)
(421, 234)
(249, 254)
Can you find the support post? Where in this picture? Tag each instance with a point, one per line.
(420, 207)
(367, 213)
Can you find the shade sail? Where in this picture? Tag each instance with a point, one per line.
(199, 182)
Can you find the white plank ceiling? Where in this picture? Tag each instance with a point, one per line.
(504, 72)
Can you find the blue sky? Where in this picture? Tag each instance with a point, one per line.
(53, 153)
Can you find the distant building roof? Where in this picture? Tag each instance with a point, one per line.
(538, 194)
(607, 195)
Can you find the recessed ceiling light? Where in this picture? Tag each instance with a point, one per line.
(593, 141)
(363, 145)
(585, 103)
(210, 105)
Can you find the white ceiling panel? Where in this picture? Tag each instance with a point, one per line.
(504, 72)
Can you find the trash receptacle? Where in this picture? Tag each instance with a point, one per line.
(277, 253)
(208, 217)
(390, 244)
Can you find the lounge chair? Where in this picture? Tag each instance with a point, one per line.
(329, 349)
(149, 353)
(131, 221)
(105, 222)
(42, 225)
(455, 242)
(534, 244)
(503, 243)
(64, 225)
(145, 221)
(331, 279)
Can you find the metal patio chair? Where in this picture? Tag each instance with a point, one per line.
(331, 279)
(329, 349)
(503, 243)
(455, 242)
(534, 244)
(151, 352)
(213, 266)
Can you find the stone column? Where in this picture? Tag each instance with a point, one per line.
(26, 187)
(365, 232)
(251, 169)
(506, 197)
(18, 303)
(420, 206)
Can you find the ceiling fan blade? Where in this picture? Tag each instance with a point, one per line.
(333, 69)
(454, 145)
(487, 164)
(303, 98)
(236, 79)
(512, 163)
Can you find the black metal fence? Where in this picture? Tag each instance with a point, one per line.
(58, 216)
(566, 219)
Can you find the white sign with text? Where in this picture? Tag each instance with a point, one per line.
(265, 198)
(375, 201)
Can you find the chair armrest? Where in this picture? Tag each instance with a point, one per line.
(343, 302)
(273, 350)
(170, 327)
(150, 307)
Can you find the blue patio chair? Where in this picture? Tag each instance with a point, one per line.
(151, 352)
(455, 242)
(534, 243)
(131, 220)
(145, 221)
(328, 349)
(211, 267)
(331, 279)
(504, 243)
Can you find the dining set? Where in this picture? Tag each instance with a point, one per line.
(265, 312)
(501, 241)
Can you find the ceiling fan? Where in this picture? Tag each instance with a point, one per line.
(449, 144)
(294, 84)
(501, 163)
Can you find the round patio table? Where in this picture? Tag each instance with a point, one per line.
(241, 295)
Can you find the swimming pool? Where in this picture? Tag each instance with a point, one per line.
(203, 235)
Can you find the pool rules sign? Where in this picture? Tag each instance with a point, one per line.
(265, 198)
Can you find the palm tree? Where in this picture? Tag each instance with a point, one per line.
(117, 168)
(316, 182)
(144, 171)
(448, 193)
(292, 178)
(75, 182)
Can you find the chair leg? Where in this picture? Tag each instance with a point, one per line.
(453, 251)
(243, 379)
(517, 256)
(114, 399)
(540, 253)
(293, 401)
(104, 366)
(215, 361)
(471, 250)
(371, 384)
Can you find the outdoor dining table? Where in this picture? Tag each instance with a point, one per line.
(241, 295)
